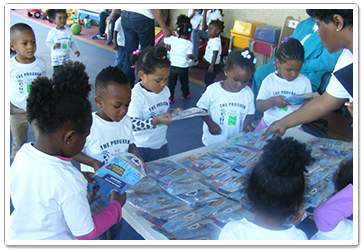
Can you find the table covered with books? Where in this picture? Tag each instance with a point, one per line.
(192, 195)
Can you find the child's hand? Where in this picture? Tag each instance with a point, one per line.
(115, 46)
(179, 109)
(57, 45)
(210, 69)
(88, 177)
(248, 128)
(214, 128)
(349, 106)
(77, 53)
(279, 102)
(162, 119)
(121, 198)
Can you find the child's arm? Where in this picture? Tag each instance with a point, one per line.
(96, 164)
(263, 105)
(190, 56)
(213, 60)
(213, 127)
(247, 123)
(74, 48)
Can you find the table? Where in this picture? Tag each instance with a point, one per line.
(145, 228)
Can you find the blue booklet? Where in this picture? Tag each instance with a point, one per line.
(299, 99)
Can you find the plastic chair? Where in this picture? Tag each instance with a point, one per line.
(288, 28)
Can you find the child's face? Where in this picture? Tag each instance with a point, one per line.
(289, 70)
(23, 43)
(155, 82)
(60, 20)
(237, 78)
(212, 31)
(114, 103)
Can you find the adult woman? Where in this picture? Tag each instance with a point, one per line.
(335, 28)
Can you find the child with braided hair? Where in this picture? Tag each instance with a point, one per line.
(181, 51)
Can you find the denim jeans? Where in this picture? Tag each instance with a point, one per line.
(196, 36)
(119, 57)
(138, 29)
(102, 25)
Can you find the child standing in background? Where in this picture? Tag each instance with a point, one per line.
(48, 193)
(24, 68)
(195, 16)
(285, 82)
(334, 218)
(59, 38)
(149, 106)
(275, 190)
(181, 51)
(213, 51)
(230, 103)
(119, 44)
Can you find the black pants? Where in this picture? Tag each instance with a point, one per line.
(210, 78)
(182, 74)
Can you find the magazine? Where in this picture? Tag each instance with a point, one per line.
(119, 174)
(188, 113)
(299, 99)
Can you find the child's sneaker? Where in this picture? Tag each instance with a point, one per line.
(186, 97)
(171, 101)
(98, 36)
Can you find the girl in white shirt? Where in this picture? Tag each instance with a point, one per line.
(48, 193)
(286, 81)
(149, 106)
(180, 54)
(275, 191)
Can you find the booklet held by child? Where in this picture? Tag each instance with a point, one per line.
(299, 99)
(119, 174)
(188, 113)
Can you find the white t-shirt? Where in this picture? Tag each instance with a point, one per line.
(196, 19)
(107, 140)
(227, 109)
(146, 12)
(21, 77)
(334, 88)
(119, 28)
(343, 231)
(49, 198)
(145, 105)
(247, 230)
(180, 48)
(213, 14)
(273, 85)
(213, 44)
(60, 55)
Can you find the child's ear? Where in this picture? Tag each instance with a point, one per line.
(12, 47)
(98, 101)
(69, 136)
(141, 75)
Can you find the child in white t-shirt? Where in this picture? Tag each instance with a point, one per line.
(59, 38)
(334, 218)
(180, 54)
(213, 51)
(195, 16)
(286, 81)
(275, 192)
(119, 44)
(149, 106)
(24, 68)
(230, 103)
(48, 193)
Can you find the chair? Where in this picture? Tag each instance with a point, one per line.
(288, 27)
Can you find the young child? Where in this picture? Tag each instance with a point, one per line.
(48, 193)
(230, 103)
(149, 106)
(24, 68)
(334, 218)
(285, 82)
(275, 190)
(213, 51)
(195, 16)
(59, 38)
(111, 131)
(181, 51)
(119, 44)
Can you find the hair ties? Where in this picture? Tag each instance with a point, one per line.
(246, 54)
(254, 61)
(136, 52)
(133, 66)
(285, 39)
(161, 58)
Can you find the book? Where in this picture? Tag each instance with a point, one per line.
(299, 99)
(119, 174)
(188, 113)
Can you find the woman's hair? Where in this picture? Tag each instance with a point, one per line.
(276, 184)
(184, 27)
(108, 75)
(60, 101)
(150, 59)
(326, 15)
(218, 24)
(51, 13)
(292, 49)
(242, 58)
(344, 176)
